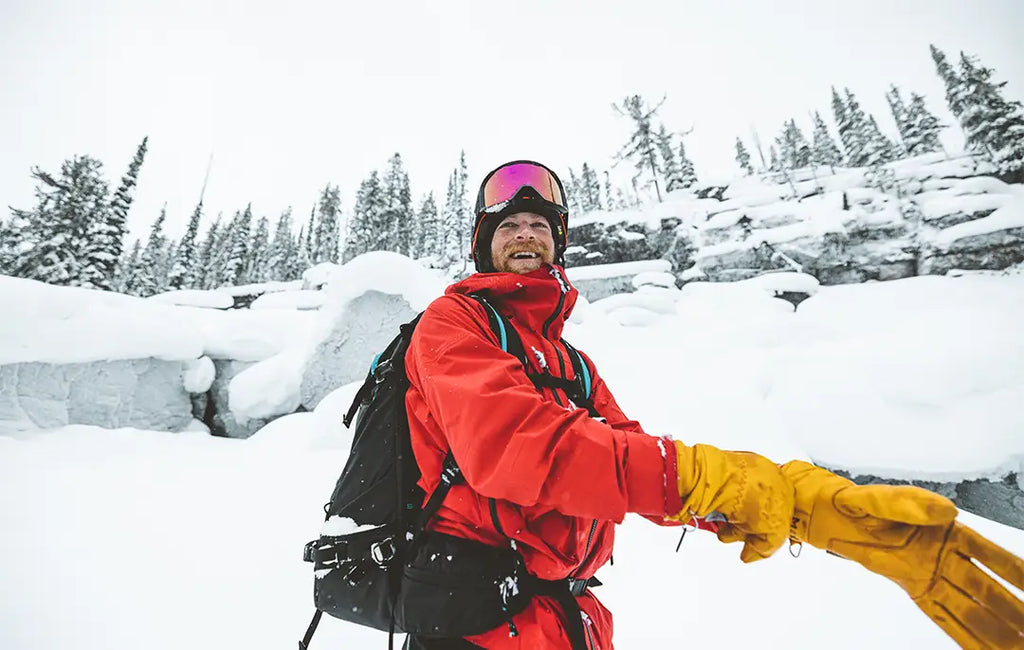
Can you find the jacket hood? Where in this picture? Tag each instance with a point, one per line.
(541, 300)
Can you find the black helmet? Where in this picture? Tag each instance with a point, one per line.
(518, 186)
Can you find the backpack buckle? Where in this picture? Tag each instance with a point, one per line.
(383, 552)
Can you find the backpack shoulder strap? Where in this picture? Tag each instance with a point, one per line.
(508, 338)
(580, 369)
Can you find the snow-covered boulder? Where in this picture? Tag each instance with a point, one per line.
(604, 280)
(366, 300)
(139, 393)
(78, 356)
(993, 242)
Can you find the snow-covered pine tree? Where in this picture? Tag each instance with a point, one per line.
(207, 275)
(590, 189)
(183, 273)
(116, 227)
(794, 151)
(992, 124)
(923, 128)
(743, 158)
(282, 249)
(824, 150)
(642, 148)
(878, 149)
(900, 113)
(326, 232)
(849, 130)
(397, 207)
(670, 168)
(239, 247)
(859, 130)
(364, 228)
(9, 244)
(574, 193)
(128, 270)
(301, 260)
(687, 171)
(466, 217)
(427, 225)
(55, 239)
(451, 242)
(609, 194)
(259, 252)
(954, 85)
(151, 261)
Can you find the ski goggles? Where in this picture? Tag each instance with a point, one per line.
(504, 184)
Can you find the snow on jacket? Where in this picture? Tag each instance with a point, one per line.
(557, 479)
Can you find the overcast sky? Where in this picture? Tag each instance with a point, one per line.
(289, 96)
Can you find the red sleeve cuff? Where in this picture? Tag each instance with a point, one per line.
(649, 488)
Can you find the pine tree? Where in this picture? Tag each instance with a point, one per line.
(56, 246)
(326, 232)
(128, 271)
(183, 273)
(687, 172)
(849, 132)
(992, 124)
(775, 164)
(609, 195)
(743, 158)
(428, 224)
(670, 168)
(456, 219)
(207, 274)
(259, 252)
(794, 152)
(954, 85)
(824, 150)
(151, 260)
(922, 128)
(10, 242)
(590, 189)
(282, 249)
(239, 248)
(397, 214)
(574, 192)
(364, 228)
(900, 113)
(642, 148)
(116, 227)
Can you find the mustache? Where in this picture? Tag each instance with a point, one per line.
(517, 247)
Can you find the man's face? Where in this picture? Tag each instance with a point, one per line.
(522, 243)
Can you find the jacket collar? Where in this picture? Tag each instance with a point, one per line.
(541, 300)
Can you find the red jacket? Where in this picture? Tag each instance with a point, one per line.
(560, 479)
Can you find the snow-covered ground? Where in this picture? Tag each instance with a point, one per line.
(138, 539)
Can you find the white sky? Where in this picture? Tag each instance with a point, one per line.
(290, 96)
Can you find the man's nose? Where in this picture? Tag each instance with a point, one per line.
(524, 232)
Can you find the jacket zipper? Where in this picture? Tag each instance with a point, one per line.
(561, 301)
(587, 625)
(586, 549)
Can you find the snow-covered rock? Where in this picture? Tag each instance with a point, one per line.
(603, 280)
(139, 393)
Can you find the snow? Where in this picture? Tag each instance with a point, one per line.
(214, 299)
(71, 325)
(618, 269)
(199, 375)
(271, 387)
(1010, 215)
(302, 299)
(935, 205)
(146, 539)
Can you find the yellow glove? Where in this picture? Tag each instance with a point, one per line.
(748, 489)
(909, 535)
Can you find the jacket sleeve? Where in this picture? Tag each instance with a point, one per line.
(510, 443)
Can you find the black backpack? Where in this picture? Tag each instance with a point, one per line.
(376, 565)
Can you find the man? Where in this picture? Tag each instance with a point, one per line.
(554, 477)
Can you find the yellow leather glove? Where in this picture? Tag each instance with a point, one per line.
(909, 535)
(748, 489)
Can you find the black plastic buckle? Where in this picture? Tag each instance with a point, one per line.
(578, 587)
(383, 552)
(309, 551)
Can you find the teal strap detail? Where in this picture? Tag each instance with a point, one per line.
(376, 359)
(501, 326)
(586, 374)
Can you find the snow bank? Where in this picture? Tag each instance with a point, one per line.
(70, 325)
(303, 299)
(1009, 215)
(601, 271)
(214, 299)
